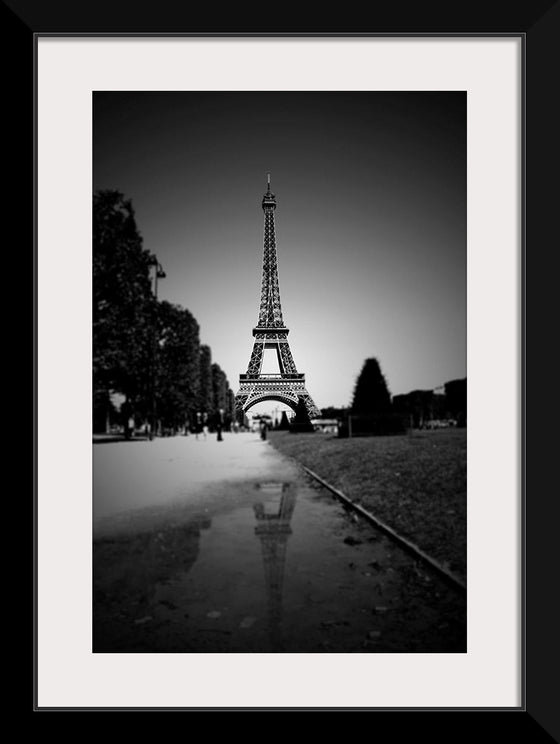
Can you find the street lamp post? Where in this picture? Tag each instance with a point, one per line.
(159, 273)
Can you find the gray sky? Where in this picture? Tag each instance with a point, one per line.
(370, 223)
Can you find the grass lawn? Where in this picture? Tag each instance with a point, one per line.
(416, 483)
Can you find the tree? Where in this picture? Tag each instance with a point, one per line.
(371, 413)
(204, 402)
(219, 388)
(123, 305)
(456, 400)
(301, 422)
(177, 363)
(284, 424)
(230, 407)
(332, 412)
(371, 395)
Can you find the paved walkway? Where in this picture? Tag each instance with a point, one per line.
(216, 547)
(139, 474)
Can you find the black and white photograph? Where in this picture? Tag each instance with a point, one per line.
(279, 372)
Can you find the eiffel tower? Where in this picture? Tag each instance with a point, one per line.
(270, 333)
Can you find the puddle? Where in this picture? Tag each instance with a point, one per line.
(273, 566)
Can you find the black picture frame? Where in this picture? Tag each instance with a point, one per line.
(538, 24)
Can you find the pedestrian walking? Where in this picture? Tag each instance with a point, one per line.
(220, 424)
(128, 420)
(204, 425)
(197, 425)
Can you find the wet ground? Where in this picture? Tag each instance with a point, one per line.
(271, 564)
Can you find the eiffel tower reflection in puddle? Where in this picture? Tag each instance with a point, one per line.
(273, 530)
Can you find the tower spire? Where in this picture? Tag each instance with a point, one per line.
(269, 200)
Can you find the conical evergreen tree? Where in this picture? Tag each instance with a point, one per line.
(371, 395)
(301, 421)
(284, 423)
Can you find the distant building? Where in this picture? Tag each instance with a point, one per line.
(326, 426)
(443, 406)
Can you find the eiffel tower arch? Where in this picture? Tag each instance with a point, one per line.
(288, 386)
